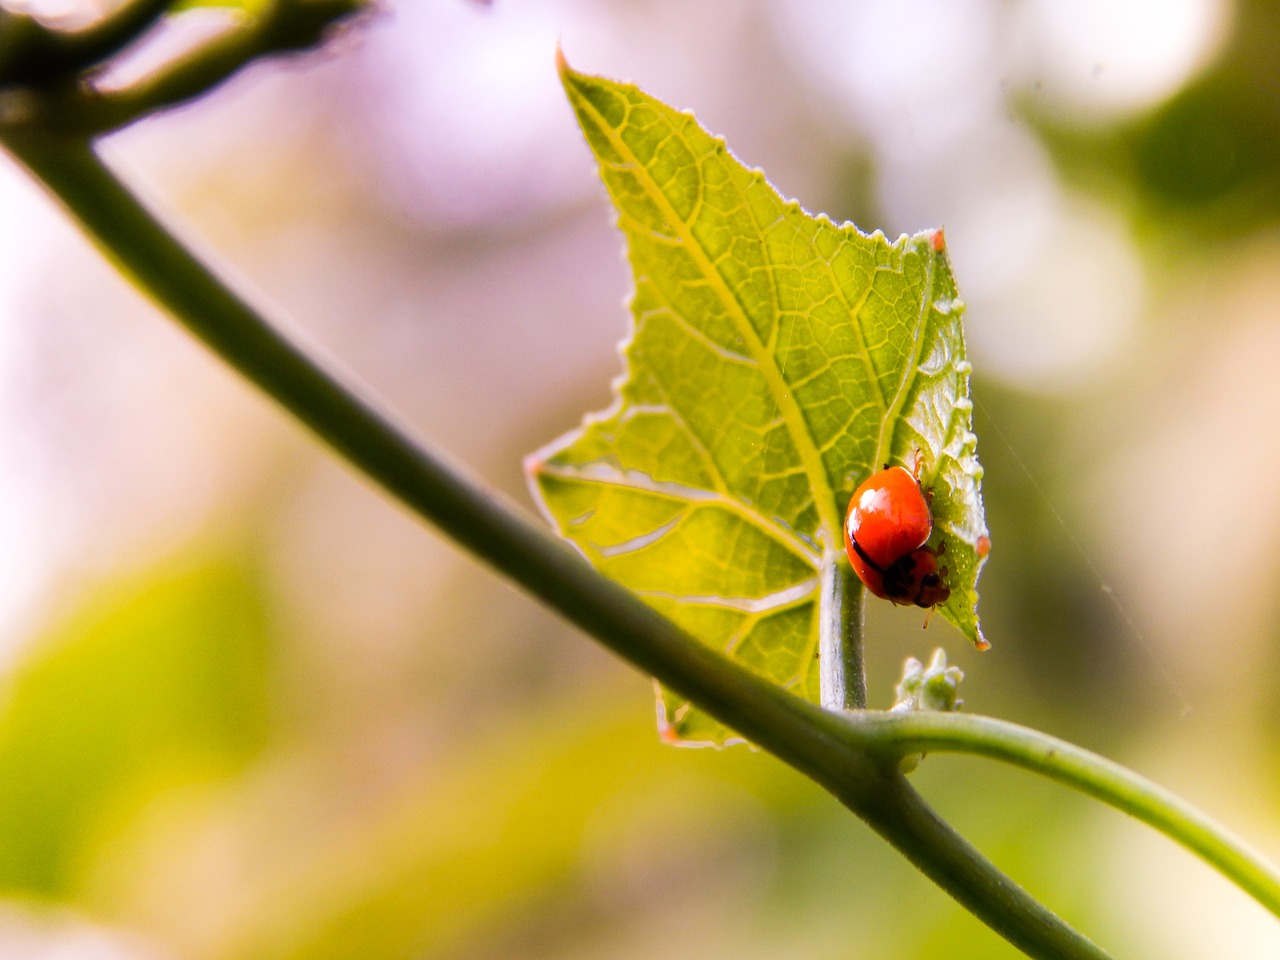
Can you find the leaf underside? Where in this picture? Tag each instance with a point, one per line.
(775, 360)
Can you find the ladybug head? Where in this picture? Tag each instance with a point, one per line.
(916, 578)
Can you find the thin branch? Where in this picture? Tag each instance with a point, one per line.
(33, 54)
(75, 107)
(818, 743)
(893, 736)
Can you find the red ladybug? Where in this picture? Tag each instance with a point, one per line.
(885, 533)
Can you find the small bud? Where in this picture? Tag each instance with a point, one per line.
(927, 688)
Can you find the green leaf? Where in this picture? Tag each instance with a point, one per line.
(776, 359)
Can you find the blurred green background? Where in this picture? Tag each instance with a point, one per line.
(253, 710)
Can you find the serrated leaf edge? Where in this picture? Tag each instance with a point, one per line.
(760, 352)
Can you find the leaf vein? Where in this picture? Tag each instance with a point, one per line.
(609, 475)
(802, 437)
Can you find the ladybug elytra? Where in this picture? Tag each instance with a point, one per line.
(885, 534)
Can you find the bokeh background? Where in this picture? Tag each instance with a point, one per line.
(252, 709)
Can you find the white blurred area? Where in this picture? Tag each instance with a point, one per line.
(419, 204)
(66, 14)
(27, 236)
(56, 934)
(1054, 289)
(1103, 59)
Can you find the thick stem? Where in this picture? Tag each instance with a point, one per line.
(822, 745)
(897, 813)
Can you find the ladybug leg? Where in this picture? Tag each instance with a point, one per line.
(916, 464)
(928, 581)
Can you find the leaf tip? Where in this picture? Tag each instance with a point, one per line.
(562, 65)
(938, 240)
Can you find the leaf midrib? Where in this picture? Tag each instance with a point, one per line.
(806, 448)
(894, 412)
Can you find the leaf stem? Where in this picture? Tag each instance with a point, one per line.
(818, 743)
(842, 678)
(899, 735)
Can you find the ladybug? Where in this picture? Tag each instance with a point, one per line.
(885, 534)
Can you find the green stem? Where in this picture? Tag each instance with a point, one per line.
(286, 25)
(73, 107)
(898, 814)
(894, 736)
(820, 744)
(32, 54)
(843, 680)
